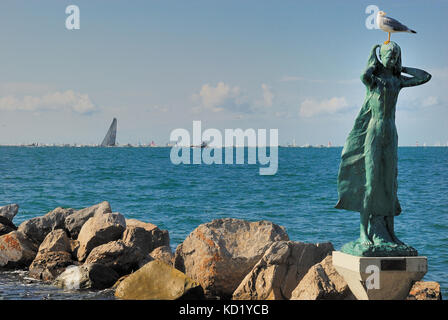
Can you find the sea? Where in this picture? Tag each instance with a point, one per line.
(143, 183)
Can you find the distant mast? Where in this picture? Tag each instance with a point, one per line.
(109, 139)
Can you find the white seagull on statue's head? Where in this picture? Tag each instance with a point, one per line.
(390, 25)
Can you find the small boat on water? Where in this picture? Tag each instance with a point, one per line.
(202, 146)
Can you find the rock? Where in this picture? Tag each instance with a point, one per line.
(137, 237)
(6, 226)
(425, 290)
(116, 255)
(163, 254)
(88, 276)
(37, 228)
(159, 237)
(219, 254)
(158, 281)
(9, 211)
(137, 223)
(56, 240)
(280, 269)
(145, 240)
(49, 264)
(98, 230)
(75, 221)
(16, 250)
(74, 246)
(322, 282)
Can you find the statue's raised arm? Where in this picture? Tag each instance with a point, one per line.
(368, 77)
(418, 77)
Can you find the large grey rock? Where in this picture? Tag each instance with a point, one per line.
(37, 228)
(98, 230)
(75, 221)
(49, 264)
(56, 240)
(87, 276)
(219, 254)
(146, 240)
(9, 211)
(16, 250)
(158, 237)
(280, 269)
(116, 255)
(322, 282)
(158, 281)
(54, 255)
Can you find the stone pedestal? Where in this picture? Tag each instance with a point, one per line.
(379, 278)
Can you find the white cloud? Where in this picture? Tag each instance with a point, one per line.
(220, 97)
(430, 101)
(214, 98)
(67, 100)
(268, 96)
(417, 103)
(232, 98)
(311, 107)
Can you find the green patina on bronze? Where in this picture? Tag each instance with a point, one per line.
(367, 180)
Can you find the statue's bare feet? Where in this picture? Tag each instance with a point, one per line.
(365, 241)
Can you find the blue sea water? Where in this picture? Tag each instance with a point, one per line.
(142, 183)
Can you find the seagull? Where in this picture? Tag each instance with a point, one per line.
(390, 25)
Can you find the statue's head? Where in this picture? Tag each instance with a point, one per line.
(390, 55)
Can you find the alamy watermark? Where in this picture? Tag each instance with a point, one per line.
(207, 147)
(372, 11)
(73, 21)
(373, 281)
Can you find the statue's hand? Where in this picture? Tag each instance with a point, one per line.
(367, 77)
(373, 60)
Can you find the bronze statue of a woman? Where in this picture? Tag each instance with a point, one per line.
(367, 180)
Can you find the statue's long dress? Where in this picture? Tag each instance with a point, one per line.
(357, 172)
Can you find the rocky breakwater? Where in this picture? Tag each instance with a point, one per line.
(95, 248)
(89, 248)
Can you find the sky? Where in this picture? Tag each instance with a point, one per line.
(158, 65)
